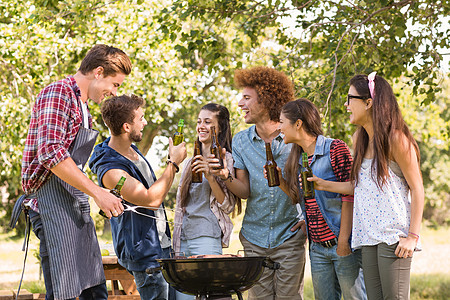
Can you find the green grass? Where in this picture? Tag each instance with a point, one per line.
(435, 287)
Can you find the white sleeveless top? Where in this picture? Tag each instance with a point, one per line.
(380, 215)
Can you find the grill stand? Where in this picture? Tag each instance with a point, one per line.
(221, 297)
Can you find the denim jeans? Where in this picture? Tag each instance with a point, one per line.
(93, 293)
(199, 246)
(334, 275)
(154, 286)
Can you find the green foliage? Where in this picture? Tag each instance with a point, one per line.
(430, 125)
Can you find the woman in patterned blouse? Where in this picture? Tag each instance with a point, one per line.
(387, 185)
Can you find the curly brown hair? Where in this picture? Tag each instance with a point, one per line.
(274, 89)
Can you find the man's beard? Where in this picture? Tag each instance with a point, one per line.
(135, 137)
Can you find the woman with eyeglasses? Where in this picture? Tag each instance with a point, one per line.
(387, 186)
(335, 268)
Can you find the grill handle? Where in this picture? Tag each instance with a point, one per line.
(268, 263)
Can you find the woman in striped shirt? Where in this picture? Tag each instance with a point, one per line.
(336, 269)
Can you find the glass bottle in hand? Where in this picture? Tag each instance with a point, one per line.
(196, 176)
(271, 168)
(216, 149)
(116, 192)
(178, 136)
(308, 186)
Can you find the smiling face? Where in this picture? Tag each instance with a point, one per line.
(288, 129)
(138, 125)
(205, 120)
(254, 111)
(358, 108)
(102, 87)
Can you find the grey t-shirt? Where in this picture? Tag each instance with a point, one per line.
(164, 240)
(199, 220)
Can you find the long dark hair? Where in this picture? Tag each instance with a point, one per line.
(306, 111)
(387, 120)
(225, 138)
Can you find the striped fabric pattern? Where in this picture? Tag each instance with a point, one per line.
(341, 162)
(74, 253)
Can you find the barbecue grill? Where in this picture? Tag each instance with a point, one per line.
(213, 277)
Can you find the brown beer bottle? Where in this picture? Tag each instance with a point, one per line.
(308, 186)
(271, 168)
(197, 176)
(215, 147)
(116, 192)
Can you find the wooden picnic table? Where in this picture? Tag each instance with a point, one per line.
(116, 273)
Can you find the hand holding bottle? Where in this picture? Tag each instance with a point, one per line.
(177, 153)
(200, 164)
(215, 166)
(270, 168)
(117, 208)
(280, 175)
(319, 183)
(305, 172)
(216, 149)
(197, 176)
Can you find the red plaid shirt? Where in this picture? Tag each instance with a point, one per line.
(55, 121)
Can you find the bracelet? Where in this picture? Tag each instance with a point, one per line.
(414, 235)
(229, 177)
(177, 169)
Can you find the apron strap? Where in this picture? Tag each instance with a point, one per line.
(17, 211)
(26, 243)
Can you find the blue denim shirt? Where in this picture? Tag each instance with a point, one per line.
(330, 204)
(269, 215)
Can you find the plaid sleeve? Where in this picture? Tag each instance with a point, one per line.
(53, 118)
(341, 162)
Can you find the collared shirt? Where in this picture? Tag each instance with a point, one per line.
(270, 214)
(54, 123)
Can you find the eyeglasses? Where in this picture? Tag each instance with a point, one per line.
(356, 97)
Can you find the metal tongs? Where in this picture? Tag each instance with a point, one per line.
(135, 208)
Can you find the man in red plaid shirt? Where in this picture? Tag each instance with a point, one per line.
(59, 142)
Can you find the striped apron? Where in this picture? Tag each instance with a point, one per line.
(74, 253)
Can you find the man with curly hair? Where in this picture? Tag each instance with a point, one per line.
(270, 226)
